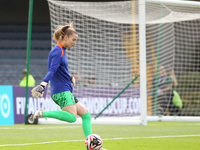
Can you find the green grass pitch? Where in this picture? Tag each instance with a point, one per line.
(154, 136)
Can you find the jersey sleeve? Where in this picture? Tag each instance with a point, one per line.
(54, 63)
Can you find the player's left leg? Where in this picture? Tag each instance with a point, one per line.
(86, 119)
(66, 101)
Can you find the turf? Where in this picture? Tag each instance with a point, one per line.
(154, 136)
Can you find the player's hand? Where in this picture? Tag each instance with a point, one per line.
(73, 80)
(38, 90)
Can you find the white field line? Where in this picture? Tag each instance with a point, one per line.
(197, 124)
(40, 128)
(122, 138)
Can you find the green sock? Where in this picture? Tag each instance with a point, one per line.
(61, 115)
(86, 124)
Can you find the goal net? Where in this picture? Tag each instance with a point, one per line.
(106, 57)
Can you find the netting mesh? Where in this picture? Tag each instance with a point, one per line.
(107, 53)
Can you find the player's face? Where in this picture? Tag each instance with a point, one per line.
(71, 40)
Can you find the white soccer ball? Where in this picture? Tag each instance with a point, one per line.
(93, 142)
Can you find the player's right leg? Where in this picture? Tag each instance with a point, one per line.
(37, 114)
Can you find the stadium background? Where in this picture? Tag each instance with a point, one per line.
(13, 39)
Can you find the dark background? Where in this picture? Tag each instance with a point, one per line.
(17, 11)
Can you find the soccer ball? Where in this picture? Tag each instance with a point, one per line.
(93, 142)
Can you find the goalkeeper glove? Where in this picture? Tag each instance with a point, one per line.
(73, 80)
(38, 90)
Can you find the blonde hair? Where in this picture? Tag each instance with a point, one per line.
(61, 31)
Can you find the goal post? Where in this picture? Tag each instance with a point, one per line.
(120, 40)
(142, 62)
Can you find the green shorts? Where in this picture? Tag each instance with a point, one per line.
(64, 99)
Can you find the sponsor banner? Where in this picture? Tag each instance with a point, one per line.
(94, 99)
(121, 106)
(6, 105)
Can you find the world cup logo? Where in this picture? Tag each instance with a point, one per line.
(5, 105)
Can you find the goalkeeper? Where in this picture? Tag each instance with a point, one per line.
(61, 82)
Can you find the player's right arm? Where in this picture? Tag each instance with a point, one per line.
(54, 62)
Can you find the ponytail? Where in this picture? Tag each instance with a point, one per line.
(61, 31)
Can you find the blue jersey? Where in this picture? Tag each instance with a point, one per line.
(58, 72)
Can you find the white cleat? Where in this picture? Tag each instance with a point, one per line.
(37, 114)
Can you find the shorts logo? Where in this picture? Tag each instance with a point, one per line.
(5, 105)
